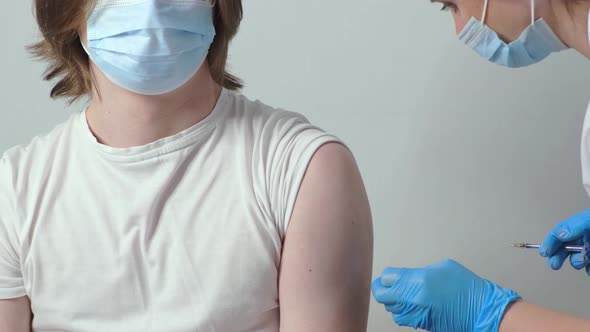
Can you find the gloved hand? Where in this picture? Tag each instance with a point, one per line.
(573, 231)
(445, 297)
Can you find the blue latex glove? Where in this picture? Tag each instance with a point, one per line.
(573, 231)
(445, 297)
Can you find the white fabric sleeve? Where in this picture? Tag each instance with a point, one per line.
(291, 143)
(11, 281)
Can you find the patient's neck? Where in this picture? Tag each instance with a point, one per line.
(121, 119)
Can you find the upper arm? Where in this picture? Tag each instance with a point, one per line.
(15, 315)
(525, 317)
(326, 265)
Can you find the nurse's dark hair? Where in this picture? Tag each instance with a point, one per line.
(60, 22)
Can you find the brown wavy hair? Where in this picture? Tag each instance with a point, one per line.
(60, 22)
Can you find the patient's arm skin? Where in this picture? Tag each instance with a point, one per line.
(524, 317)
(326, 267)
(15, 315)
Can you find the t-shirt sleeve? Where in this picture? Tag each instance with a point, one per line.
(11, 281)
(291, 142)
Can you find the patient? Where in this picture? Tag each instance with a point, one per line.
(172, 202)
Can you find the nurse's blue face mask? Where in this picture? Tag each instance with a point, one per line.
(536, 43)
(150, 47)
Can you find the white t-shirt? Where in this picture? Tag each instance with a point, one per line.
(183, 234)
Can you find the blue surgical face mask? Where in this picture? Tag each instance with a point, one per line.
(533, 45)
(150, 47)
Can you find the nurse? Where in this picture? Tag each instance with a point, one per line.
(446, 296)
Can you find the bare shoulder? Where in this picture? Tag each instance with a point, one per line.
(327, 256)
(335, 157)
(333, 177)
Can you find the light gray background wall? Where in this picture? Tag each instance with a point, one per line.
(460, 157)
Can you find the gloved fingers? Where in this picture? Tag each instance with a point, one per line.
(392, 286)
(403, 320)
(577, 229)
(578, 260)
(569, 230)
(588, 269)
(396, 294)
(414, 319)
(446, 264)
(556, 261)
(390, 275)
(379, 291)
(558, 245)
(550, 245)
(383, 294)
(396, 308)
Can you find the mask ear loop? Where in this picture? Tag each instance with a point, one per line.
(532, 12)
(485, 12)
